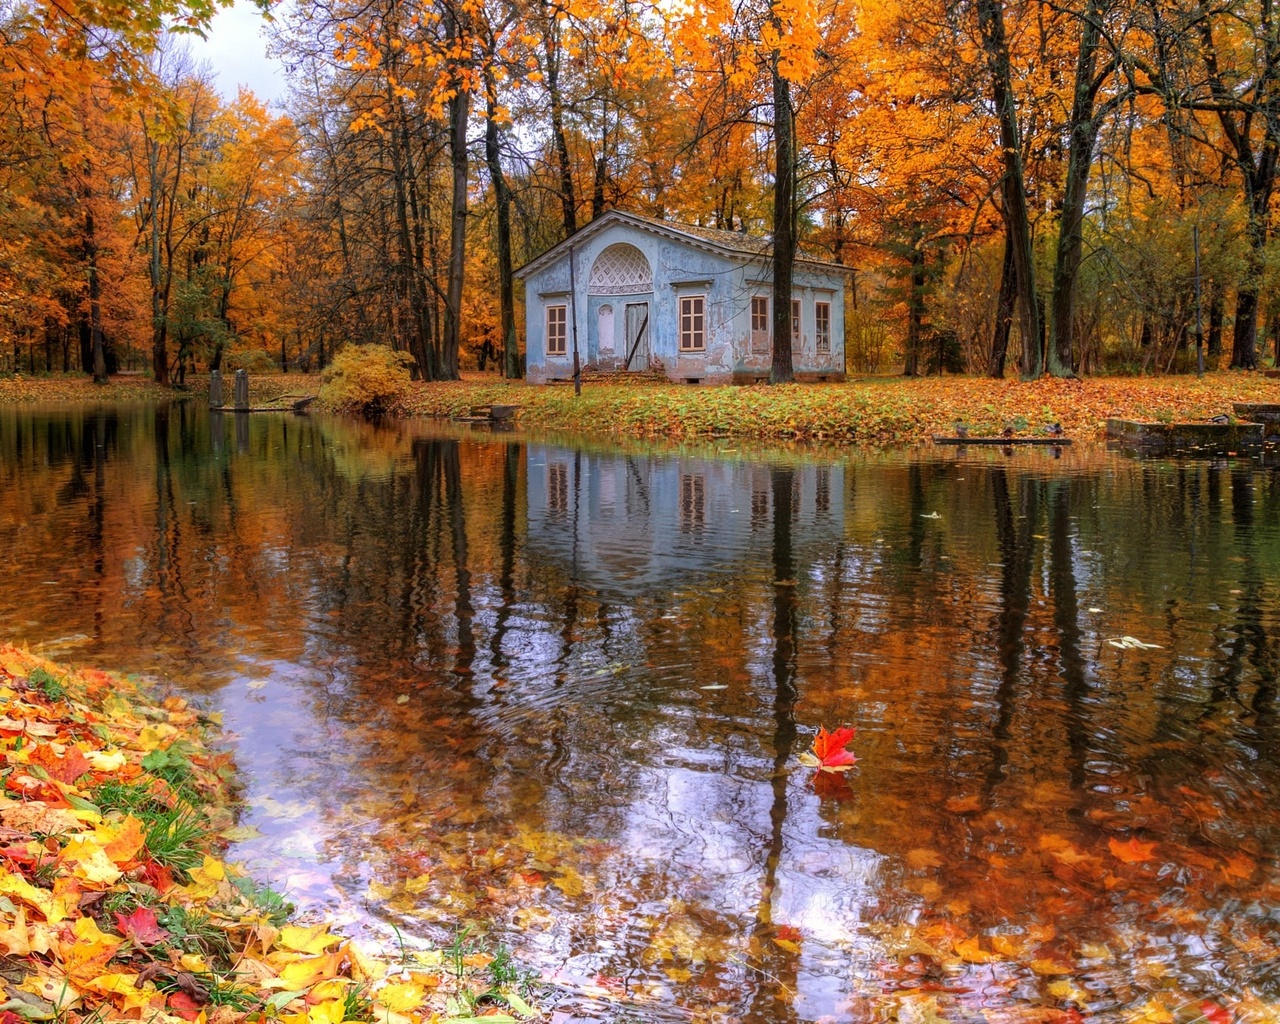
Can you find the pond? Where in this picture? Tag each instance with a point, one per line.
(557, 693)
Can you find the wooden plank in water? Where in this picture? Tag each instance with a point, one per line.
(1056, 442)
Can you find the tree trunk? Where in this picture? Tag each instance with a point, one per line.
(1004, 312)
(1084, 135)
(459, 108)
(915, 307)
(1017, 219)
(1216, 310)
(568, 202)
(782, 370)
(1244, 341)
(410, 276)
(97, 354)
(502, 205)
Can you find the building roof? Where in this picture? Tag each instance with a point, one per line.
(723, 243)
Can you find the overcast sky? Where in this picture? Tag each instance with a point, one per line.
(236, 49)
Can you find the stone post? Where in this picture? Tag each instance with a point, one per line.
(216, 401)
(242, 390)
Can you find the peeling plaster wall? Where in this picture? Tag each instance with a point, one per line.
(679, 269)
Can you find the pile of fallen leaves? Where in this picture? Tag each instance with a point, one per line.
(114, 903)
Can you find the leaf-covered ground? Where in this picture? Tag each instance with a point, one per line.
(77, 387)
(884, 412)
(114, 903)
(879, 412)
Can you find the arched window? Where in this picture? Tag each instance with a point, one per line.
(620, 270)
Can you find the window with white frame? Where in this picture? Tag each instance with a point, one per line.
(795, 323)
(557, 330)
(822, 326)
(693, 323)
(759, 323)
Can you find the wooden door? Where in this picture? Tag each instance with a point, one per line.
(635, 321)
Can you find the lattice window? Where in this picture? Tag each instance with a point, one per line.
(620, 270)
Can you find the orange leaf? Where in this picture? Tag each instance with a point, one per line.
(828, 747)
(1133, 851)
(65, 768)
(971, 952)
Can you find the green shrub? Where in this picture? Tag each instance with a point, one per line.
(366, 379)
(255, 360)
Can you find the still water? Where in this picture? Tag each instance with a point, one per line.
(558, 693)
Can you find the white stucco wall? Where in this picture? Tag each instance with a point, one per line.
(678, 269)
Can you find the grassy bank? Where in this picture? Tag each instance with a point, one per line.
(884, 411)
(875, 412)
(79, 388)
(115, 902)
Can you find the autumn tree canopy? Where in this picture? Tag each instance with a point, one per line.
(1016, 184)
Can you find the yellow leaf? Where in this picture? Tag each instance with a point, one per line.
(305, 973)
(54, 989)
(122, 985)
(153, 736)
(334, 988)
(89, 861)
(401, 996)
(1009, 946)
(121, 841)
(307, 940)
(1048, 967)
(15, 940)
(43, 900)
(104, 761)
(333, 1011)
(1153, 1012)
(417, 885)
(206, 879)
(1068, 991)
(971, 952)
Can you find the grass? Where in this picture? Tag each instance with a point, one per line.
(274, 906)
(881, 412)
(193, 932)
(48, 684)
(176, 838)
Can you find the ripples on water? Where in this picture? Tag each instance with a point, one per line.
(559, 692)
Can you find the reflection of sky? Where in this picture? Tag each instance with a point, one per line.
(320, 596)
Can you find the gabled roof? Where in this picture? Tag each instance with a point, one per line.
(733, 244)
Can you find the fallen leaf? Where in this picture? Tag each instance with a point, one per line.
(141, 927)
(1132, 851)
(829, 754)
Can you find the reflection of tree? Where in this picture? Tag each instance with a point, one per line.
(771, 1000)
(1014, 532)
(513, 459)
(1066, 621)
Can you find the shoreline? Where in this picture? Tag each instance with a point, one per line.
(115, 901)
(884, 412)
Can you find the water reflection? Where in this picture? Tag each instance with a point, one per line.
(559, 692)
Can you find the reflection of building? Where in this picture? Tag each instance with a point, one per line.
(693, 302)
(635, 523)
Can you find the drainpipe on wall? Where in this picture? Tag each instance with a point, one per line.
(573, 305)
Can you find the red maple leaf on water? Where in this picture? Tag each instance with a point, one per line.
(829, 754)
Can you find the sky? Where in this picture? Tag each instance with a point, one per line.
(236, 49)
